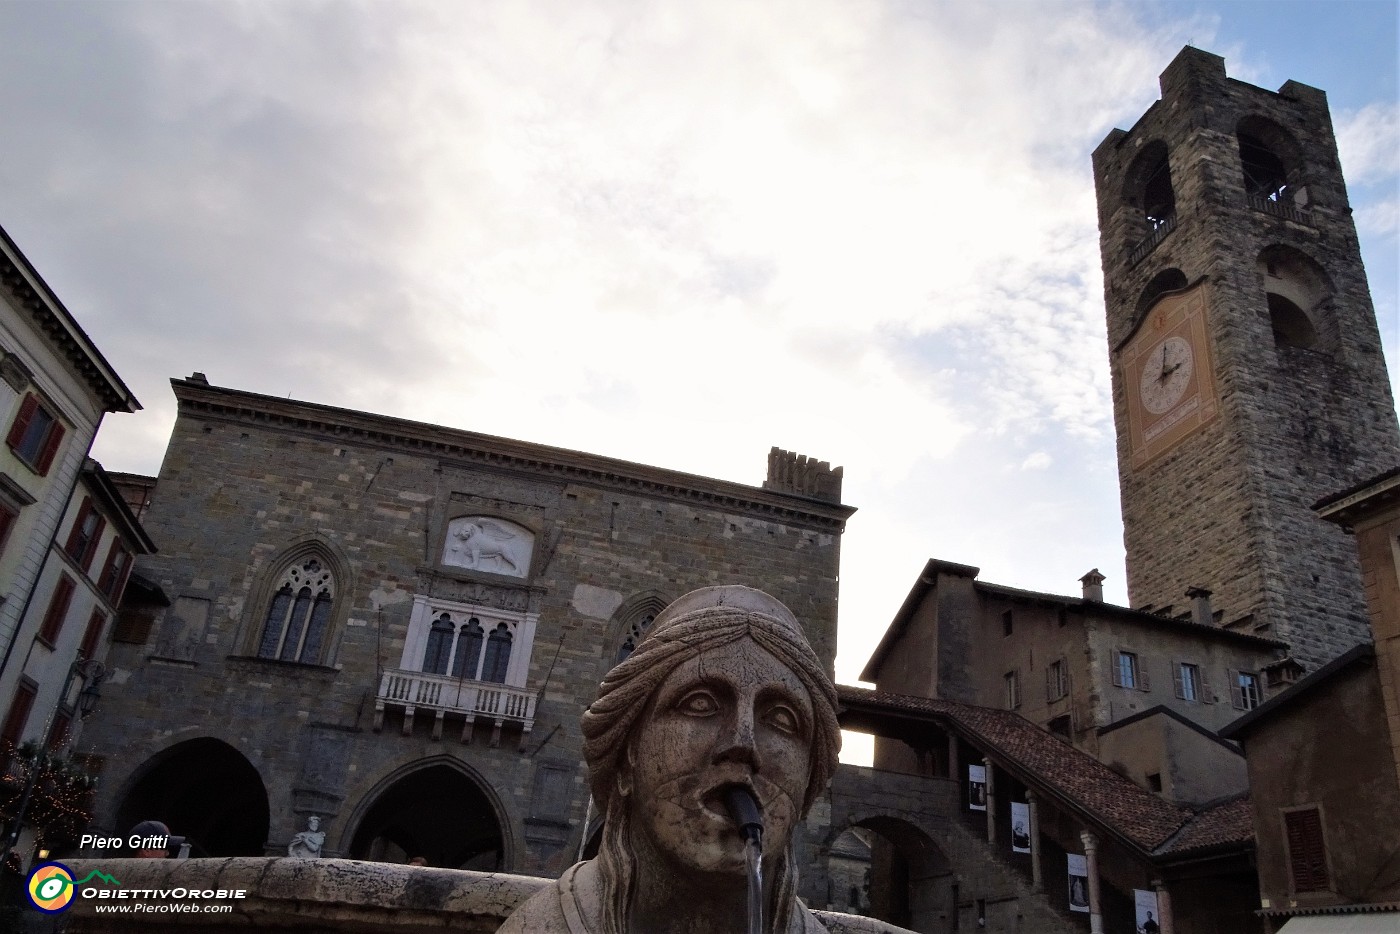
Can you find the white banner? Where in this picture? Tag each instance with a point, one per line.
(977, 787)
(1078, 882)
(1020, 827)
(1145, 904)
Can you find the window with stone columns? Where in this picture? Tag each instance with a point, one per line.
(468, 642)
(296, 625)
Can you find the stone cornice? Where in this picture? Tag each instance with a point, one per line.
(466, 447)
(34, 299)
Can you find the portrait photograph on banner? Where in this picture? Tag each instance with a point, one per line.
(977, 787)
(1078, 882)
(1020, 827)
(1145, 904)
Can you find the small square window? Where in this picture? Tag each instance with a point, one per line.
(1245, 693)
(1061, 726)
(1128, 671)
(35, 435)
(1154, 782)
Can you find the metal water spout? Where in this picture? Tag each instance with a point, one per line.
(746, 814)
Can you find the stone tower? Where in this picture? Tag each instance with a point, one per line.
(1248, 377)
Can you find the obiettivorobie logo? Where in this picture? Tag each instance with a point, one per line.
(51, 886)
(52, 889)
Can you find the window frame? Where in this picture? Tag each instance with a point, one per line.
(427, 611)
(1057, 680)
(36, 452)
(92, 635)
(12, 730)
(1245, 696)
(1012, 682)
(1136, 671)
(1199, 686)
(112, 580)
(81, 546)
(296, 595)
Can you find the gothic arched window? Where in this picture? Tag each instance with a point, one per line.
(435, 659)
(634, 635)
(469, 641)
(299, 613)
(497, 660)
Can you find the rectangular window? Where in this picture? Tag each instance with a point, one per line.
(1013, 690)
(1188, 683)
(8, 517)
(92, 636)
(58, 610)
(1056, 680)
(1244, 690)
(83, 537)
(114, 571)
(1307, 851)
(1128, 672)
(1006, 623)
(35, 435)
(1061, 726)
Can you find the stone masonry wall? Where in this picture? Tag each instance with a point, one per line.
(1228, 508)
(245, 478)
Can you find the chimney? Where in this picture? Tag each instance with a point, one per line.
(1201, 613)
(1093, 586)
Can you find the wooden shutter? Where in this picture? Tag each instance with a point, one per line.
(58, 610)
(21, 423)
(56, 431)
(18, 716)
(1236, 691)
(1117, 669)
(1206, 696)
(93, 634)
(1177, 686)
(1144, 682)
(1307, 851)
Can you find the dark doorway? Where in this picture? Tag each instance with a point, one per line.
(206, 791)
(437, 813)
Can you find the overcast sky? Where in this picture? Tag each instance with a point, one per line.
(676, 233)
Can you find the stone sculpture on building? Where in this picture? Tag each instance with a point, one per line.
(307, 843)
(723, 691)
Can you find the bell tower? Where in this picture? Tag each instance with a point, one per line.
(1248, 377)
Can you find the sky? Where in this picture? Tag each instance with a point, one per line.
(673, 233)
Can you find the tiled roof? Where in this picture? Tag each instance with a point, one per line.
(1227, 823)
(1053, 767)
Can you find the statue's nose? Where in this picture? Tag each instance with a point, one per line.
(738, 744)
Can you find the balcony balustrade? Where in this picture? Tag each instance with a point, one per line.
(445, 695)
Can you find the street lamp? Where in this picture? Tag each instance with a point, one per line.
(92, 673)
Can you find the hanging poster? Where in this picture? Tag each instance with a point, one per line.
(977, 787)
(1020, 827)
(1078, 882)
(1145, 904)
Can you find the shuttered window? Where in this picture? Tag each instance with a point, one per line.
(58, 610)
(35, 435)
(1307, 852)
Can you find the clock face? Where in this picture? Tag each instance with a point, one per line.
(1166, 375)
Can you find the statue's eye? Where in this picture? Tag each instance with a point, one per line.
(782, 717)
(698, 704)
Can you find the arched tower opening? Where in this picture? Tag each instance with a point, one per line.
(1271, 162)
(204, 790)
(437, 812)
(1297, 293)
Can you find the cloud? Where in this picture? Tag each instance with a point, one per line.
(1368, 142)
(1037, 461)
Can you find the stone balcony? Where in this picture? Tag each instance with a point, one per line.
(444, 696)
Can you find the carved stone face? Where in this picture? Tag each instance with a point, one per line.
(733, 715)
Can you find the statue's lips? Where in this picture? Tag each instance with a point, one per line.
(712, 801)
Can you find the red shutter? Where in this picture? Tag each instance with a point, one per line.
(58, 609)
(58, 736)
(93, 634)
(17, 717)
(26, 412)
(7, 522)
(75, 544)
(1307, 852)
(90, 551)
(55, 438)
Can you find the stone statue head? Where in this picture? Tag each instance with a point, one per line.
(723, 690)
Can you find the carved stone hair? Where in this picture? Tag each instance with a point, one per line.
(702, 620)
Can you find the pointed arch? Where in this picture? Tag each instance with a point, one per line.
(300, 604)
(630, 622)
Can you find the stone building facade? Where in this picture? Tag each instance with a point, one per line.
(1248, 378)
(395, 626)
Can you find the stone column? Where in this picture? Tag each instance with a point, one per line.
(1164, 908)
(1091, 860)
(1037, 882)
(991, 803)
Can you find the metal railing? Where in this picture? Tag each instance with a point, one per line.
(1149, 242)
(1279, 209)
